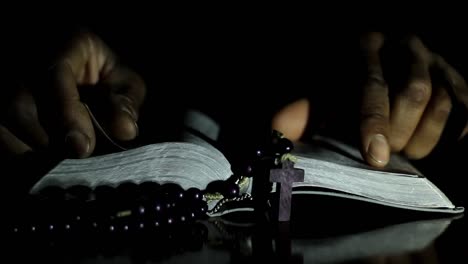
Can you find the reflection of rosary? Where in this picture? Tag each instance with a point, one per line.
(133, 207)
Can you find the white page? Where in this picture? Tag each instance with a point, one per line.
(187, 164)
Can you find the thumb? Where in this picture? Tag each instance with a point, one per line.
(127, 92)
(292, 119)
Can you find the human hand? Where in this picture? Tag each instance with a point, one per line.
(408, 115)
(50, 113)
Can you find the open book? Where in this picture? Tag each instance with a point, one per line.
(331, 168)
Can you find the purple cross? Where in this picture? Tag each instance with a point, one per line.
(285, 178)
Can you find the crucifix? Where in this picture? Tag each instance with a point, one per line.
(285, 177)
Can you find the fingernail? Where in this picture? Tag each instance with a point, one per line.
(77, 144)
(137, 129)
(378, 149)
(129, 111)
(126, 110)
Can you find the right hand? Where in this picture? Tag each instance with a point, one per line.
(408, 116)
(51, 114)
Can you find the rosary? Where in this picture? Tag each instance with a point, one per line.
(150, 206)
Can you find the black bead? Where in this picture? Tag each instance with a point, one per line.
(193, 194)
(276, 136)
(141, 210)
(284, 146)
(105, 193)
(249, 171)
(172, 191)
(200, 208)
(149, 189)
(79, 192)
(127, 191)
(215, 186)
(54, 193)
(170, 220)
(157, 223)
(159, 207)
(259, 153)
(231, 190)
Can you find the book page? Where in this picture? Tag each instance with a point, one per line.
(328, 149)
(186, 164)
(336, 166)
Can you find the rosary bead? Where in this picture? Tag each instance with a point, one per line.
(193, 194)
(284, 146)
(127, 191)
(149, 189)
(105, 193)
(173, 191)
(202, 208)
(231, 190)
(249, 171)
(259, 153)
(54, 193)
(79, 192)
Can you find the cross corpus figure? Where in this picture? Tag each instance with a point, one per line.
(285, 177)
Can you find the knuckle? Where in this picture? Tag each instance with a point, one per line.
(372, 40)
(23, 108)
(84, 36)
(418, 92)
(414, 41)
(418, 48)
(376, 81)
(442, 110)
(374, 119)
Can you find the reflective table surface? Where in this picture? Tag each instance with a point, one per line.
(326, 230)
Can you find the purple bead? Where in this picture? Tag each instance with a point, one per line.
(201, 208)
(149, 189)
(127, 191)
(284, 146)
(157, 223)
(259, 153)
(172, 191)
(141, 210)
(193, 194)
(231, 190)
(170, 220)
(55, 193)
(105, 193)
(79, 192)
(215, 186)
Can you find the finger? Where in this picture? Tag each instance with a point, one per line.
(126, 97)
(11, 145)
(85, 61)
(457, 87)
(292, 119)
(409, 104)
(375, 106)
(22, 120)
(89, 58)
(431, 126)
(72, 126)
